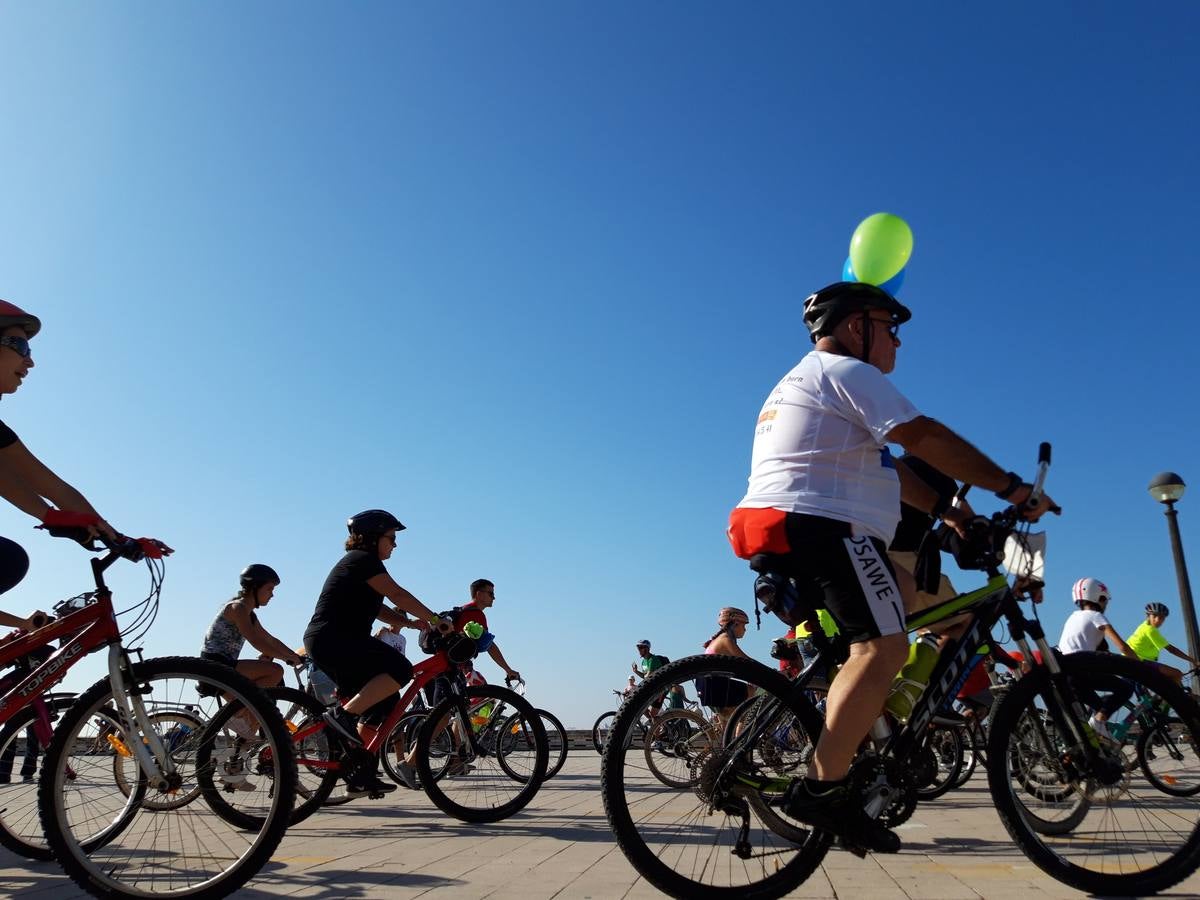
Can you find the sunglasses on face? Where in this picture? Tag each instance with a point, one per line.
(18, 344)
(893, 328)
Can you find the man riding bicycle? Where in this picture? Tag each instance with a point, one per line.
(825, 491)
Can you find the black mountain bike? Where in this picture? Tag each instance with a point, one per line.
(728, 836)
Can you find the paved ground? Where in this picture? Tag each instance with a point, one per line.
(561, 847)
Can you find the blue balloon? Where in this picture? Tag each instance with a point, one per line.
(848, 271)
(892, 285)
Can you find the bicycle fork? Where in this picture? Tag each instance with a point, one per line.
(152, 756)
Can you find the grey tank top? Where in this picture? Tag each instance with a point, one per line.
(223, 637)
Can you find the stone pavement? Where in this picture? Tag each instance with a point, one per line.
(561, 847)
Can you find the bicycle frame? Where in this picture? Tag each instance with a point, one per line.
(85, 631)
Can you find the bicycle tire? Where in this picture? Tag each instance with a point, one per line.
(1160, 738)
(478, 778)
(1066, 859)
(20, 826)
(657, 852)
(407, 729)
(946, 745)
(556, 741)
(601, 728)
(102, 869)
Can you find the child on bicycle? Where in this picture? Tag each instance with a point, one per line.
(237, 623)
(1085, 631)
(1147, 641)
(718, 693)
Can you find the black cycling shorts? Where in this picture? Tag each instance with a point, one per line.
(353, 661)
(14, 564)
(219, 658)
(721, 691)
(851, 572)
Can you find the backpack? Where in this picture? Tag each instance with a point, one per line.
(660, 659)
(428, 638)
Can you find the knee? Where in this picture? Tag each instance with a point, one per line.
(275, 673)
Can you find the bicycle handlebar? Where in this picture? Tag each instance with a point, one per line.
(1040, 481)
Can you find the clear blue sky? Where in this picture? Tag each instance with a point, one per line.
(524, 273)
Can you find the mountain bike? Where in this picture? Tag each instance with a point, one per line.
(510, 732)
(604, 722)
(730, 836)
(116, 844)
(481, 787)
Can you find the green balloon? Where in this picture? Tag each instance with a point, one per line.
(880, 247)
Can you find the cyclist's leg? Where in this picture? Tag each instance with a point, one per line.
(262, 672)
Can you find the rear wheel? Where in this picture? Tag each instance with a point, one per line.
(1168, 757)
(512, 731)
(944, 744)
(317, 769)
(21, 758)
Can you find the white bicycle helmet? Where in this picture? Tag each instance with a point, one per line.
(1090, 590)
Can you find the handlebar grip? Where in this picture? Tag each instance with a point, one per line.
(1044, 453)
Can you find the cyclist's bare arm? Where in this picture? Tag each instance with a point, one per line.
(11, 621)
(498, 658)
(1171, 648)
(28, 484)
(1118, 641)
(404, 601)
(958, 458)
(260, 639)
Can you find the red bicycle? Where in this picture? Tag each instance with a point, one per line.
(465, 774)
(120, 836)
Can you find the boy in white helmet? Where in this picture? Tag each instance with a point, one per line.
(1086, 630)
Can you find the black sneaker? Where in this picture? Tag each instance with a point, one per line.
(830, 807)
(343, 723)
(372, 784)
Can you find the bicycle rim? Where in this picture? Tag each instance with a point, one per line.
(20, 761)
(674, 744)
(115, 845)
(1097, 826)
(709, 840)
(484, 781)
(315, 782)
(512, 731)
(1169, 758)
(172, 726)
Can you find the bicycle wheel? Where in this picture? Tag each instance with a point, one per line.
(317, 757)
(601, 729)
(511, 730)
(973, 753)
(944, 748)
(404, 738)
(477, 785)
(113, 845)
(711, 840)
(20, 760)
(678, 738)
(1132, 838)
(1169, 759)
(173, 727)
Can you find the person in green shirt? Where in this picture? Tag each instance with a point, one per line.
(1147, 641)
(647, 663)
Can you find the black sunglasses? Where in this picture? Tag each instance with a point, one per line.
(18, 344)
(893, 328)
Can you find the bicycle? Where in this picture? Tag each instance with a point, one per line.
(510, 732)
(481, 788)
(1044, 758)
(603, 725)
(112, 844)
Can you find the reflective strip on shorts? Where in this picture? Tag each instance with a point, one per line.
(878, 585)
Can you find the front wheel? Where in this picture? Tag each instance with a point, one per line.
(1168, 757)
(114, 844)
(512, 731)
(1110, 833)
(20, 761)
(478, 783)
(601, 729)
(724, 835)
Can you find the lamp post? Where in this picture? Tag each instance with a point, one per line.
(1167, 488)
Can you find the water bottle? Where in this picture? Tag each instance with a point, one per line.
(911, 682)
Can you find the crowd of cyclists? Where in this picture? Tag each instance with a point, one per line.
(866, 529)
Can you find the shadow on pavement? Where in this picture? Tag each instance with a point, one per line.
(327, 884)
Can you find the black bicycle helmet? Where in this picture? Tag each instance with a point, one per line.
(257, 574)
(833, 303)
(372, 523)
(1157, 609)
(11, 314)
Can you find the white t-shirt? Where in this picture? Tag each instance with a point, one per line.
(820, 446)
(393, 639)
(1082, 631)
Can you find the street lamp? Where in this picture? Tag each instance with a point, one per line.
(1167, 488)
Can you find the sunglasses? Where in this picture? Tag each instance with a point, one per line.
(893, 328)
(18, 344)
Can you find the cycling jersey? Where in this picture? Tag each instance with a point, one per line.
(1083, 631)
(824, 490)
(1147, 641)
(820, 445)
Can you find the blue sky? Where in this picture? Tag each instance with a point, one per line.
(524, 273)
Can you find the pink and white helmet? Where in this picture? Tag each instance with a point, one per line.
(1091, 590)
